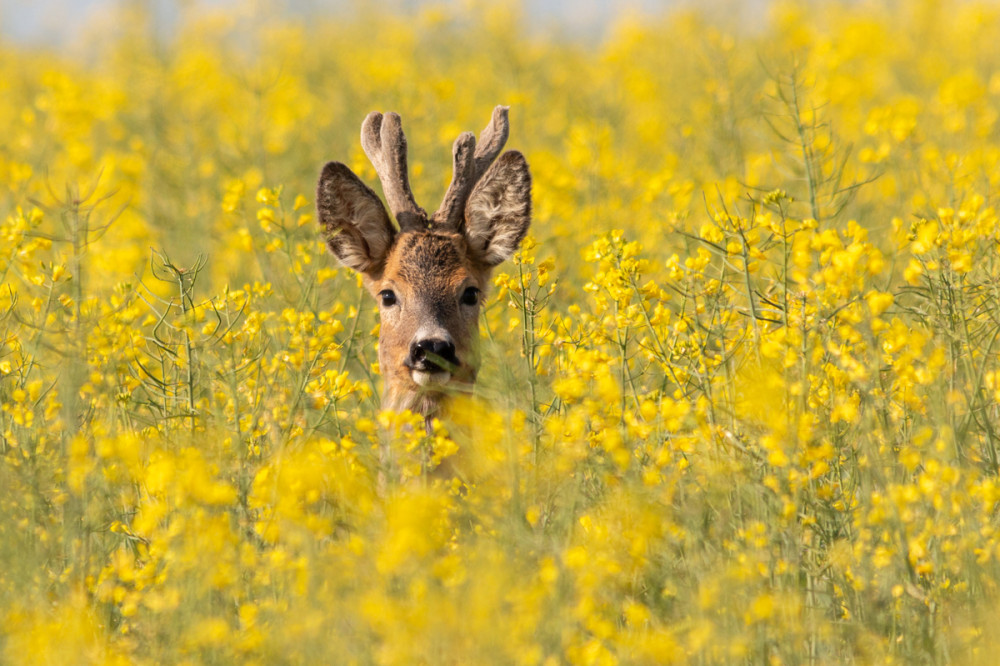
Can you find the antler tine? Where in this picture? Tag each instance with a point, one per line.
(470, 163)
(385, 145)
(492, 140)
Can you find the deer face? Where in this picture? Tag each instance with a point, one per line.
(429, 306)
(428, 276)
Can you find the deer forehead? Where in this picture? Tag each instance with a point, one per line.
(430, 262)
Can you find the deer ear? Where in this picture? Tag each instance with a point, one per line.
(498, 211)
(355, 224)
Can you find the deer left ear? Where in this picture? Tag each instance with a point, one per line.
(498, 211)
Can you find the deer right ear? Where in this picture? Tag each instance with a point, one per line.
(355, 223)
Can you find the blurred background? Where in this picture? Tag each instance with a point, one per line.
(69, 23)
(742, 387)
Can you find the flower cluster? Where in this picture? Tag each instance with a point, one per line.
(740, 389)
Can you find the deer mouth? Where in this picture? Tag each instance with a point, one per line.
(430, 378)
(431, 370)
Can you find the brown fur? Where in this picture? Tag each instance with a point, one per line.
(430, 262)
(428, 271)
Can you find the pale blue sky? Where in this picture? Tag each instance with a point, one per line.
(60, 22)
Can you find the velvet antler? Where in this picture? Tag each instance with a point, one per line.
(470, 163)
(385, 145)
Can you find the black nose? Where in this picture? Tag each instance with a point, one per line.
(426, 354)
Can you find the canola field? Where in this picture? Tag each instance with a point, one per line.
(740, 392)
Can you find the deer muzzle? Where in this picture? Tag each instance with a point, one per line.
(432, 358)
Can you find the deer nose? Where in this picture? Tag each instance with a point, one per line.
(426, 351)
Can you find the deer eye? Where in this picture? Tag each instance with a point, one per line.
(388, 297)
(470, 296)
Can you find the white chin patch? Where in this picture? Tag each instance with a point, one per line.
(424, 378)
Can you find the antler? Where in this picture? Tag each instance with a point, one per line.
(470, 163)
(385, 145)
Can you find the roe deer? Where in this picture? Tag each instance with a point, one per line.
(428, 276)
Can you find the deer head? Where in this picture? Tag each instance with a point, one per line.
(430, 274)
